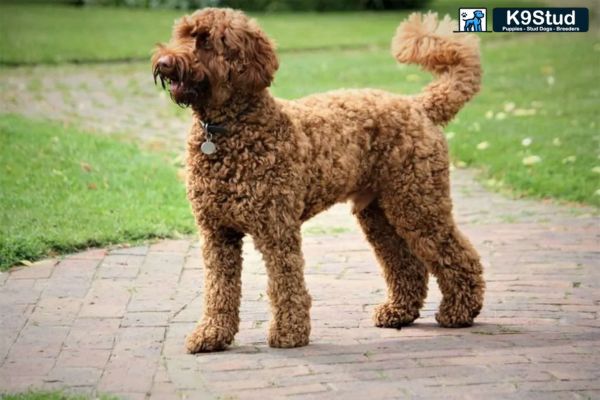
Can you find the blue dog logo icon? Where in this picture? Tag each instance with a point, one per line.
(474, 24)
(473, 20)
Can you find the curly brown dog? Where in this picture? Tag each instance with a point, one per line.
(262, 166)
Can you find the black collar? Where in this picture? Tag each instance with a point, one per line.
(212, 128)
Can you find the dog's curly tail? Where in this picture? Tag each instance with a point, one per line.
(452, 57)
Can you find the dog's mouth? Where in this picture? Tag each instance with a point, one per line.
(182, 92)
(176, 88)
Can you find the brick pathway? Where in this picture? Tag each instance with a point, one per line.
(102, 98)
(113, 321)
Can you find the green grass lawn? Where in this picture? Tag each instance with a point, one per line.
(34, 33)
(63, 190)
(532, 131)
(535, 129)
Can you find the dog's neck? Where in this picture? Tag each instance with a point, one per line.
(237, 109)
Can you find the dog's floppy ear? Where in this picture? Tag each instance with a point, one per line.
(256, 58)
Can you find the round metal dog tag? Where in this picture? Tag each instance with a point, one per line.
(208, 147)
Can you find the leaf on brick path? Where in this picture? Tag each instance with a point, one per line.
(569, 160)
(556, 142)
(85, 166)
(26, 263)
(92, 186)
(483, 145)
(178, 235)
(531, 160)
(596, 170)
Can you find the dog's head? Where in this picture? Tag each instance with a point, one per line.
(478, 14)
(213, 54)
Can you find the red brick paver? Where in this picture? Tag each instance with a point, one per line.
(114, 321)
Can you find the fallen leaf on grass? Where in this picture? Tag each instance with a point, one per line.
(547, 70)
(181, 174)
(483, 145)
(508, 107)
(85, 166)
(530, 160)
(524, 112)
(475, 127)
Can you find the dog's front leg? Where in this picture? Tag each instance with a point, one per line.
(222, 250)
(290, 301)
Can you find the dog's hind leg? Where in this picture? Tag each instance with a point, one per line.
(405, 275)
(417, 203)
(222, 249)
(280, 246)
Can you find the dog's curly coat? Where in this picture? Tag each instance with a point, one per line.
(281, 162)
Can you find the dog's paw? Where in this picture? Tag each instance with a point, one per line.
(457, 315)
(208, 337)
(393, 316)
(289, 336)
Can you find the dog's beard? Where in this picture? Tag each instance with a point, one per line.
(183, 92)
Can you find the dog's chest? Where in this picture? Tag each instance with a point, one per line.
(236, 186)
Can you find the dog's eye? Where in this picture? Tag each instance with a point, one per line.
(203, 41)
